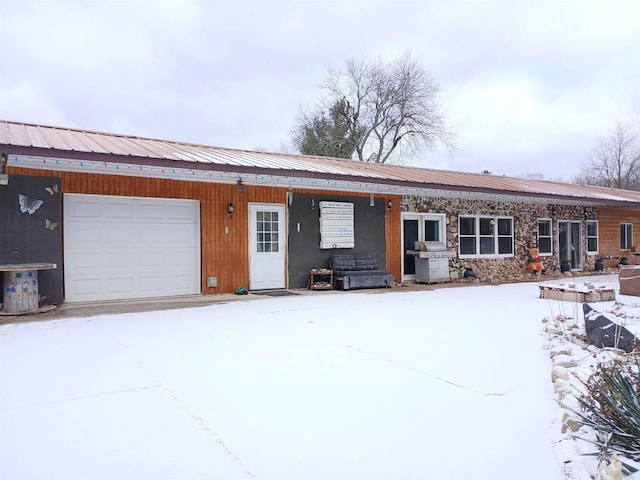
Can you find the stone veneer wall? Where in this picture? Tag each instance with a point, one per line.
(525, 223)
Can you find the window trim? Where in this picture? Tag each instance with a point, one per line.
(629, 226)
(597, 237)
(496, 237)
(550, 236)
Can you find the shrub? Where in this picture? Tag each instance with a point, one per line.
(611, 407)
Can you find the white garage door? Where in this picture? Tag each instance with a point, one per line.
(129, 247)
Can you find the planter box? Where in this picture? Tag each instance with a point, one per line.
(569, 294)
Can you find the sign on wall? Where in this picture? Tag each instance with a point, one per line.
(336, 225)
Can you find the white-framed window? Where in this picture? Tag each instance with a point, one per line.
(544, 237)
(592, 237)
(626, 236)
(485, 237)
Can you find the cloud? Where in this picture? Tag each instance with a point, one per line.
(523, 83)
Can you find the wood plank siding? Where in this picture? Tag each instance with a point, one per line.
(224, 239)
(609, 220)
(393, 236)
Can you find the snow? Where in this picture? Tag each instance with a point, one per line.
(404, 384)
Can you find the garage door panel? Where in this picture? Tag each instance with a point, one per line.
(151, 211)
(122, 261)
(182, 283)
(117, 235)
(152, 235)
(180, 237)
(178, 258)
(84, 288)
(155, 260)
(119, 286)
(132, 250)
(78, 260)
(153, 284)
(157, 236)
(87, 234)
(180, 213)
(85, 208)
(116, 210)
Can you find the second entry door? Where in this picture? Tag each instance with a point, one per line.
(423, 227)
(569, 245)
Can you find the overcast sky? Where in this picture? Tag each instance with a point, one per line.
(527, 85)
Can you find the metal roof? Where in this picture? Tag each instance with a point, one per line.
(55, 142)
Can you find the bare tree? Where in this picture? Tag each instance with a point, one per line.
(615, 159)
(385, 107)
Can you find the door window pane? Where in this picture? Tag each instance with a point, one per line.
(267, 232)
(410, 237)
(432, 230)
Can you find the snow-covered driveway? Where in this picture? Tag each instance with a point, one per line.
(446, 384)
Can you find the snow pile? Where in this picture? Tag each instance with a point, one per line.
(572, 362)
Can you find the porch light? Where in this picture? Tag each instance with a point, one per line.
(389, 205)
(372, 202)
(4, 158)
(230, 209)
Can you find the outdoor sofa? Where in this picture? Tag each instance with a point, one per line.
(358, 271)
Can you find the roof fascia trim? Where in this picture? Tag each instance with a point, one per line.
(214, 173)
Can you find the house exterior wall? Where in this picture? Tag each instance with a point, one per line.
(393, 236)
(224, 255)
(33, 235)
(609, 232)
(304, 248)
(525, 225)
(225, 251)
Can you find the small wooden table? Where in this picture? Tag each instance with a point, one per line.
(20, 288)
(320, 272)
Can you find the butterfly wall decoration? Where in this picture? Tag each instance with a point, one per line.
(49, 224)
(52, 190)
(29, 205)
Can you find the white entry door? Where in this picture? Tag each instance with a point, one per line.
(129, 247)
(266, 247)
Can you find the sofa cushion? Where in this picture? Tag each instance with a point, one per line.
(366, 262)
(368, 279)
(343, 263)
(365, 273)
